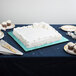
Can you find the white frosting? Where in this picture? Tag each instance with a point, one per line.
(8, 21)
(4, 23)
(75, 47)
(71, 44)
(36, 34)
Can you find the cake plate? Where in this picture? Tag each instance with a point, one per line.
(8, 27)
(63, 39)
(1, 34)
(69, 51)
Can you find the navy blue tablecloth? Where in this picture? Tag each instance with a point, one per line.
(50, 61)
(51, 51)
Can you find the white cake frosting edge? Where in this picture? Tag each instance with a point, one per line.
(40, 42)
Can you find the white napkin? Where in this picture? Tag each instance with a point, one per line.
(8, 52)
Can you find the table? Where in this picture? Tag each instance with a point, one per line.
(52, 60)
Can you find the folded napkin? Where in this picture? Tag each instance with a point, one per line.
(7, 51)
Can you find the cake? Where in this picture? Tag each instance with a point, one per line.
(71, 45)
(4, 24)
(75, 48)
(37, 34)
(8, 22)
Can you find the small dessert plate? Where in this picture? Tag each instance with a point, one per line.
(11, 26)
(8, 27)
(69, 51)
(68, 28)
(1, 34)
(1, 28)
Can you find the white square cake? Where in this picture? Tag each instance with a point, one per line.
(36, 34)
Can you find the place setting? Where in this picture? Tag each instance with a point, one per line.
(70, 47)
(6, 48)
(7, 25)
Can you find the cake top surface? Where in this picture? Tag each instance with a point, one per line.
(37, 31)
(4, 23)
(8, 21)
(71, 44)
